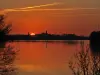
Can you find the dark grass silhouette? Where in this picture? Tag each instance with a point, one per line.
(85, 62)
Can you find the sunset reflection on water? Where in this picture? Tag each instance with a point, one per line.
(45, 58)
(42, 57)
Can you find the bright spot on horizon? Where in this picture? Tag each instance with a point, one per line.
(32, 34)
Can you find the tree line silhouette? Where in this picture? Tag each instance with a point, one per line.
(86, 61)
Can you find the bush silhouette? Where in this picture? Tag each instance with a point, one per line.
(85, 63)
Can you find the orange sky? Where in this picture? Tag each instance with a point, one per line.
(75, 21)
(56, 16)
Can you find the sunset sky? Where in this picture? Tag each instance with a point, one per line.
(56, 16)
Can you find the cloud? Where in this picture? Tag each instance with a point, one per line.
(30, 8)
(34, 8)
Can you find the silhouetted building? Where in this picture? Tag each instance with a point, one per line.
(28, 34)
(46, 32)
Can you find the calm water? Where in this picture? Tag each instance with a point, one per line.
(40, 58)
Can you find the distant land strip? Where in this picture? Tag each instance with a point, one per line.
(45, 37)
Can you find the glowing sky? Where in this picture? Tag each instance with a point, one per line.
(56, 16)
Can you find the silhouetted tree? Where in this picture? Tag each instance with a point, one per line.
(85, 63)
(7, 57)
(4, 28)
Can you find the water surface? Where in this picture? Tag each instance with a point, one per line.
(44, 57)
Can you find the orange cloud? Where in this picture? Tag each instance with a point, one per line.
(33, 8)
(28, 8)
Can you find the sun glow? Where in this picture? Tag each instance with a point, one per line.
(32, 34)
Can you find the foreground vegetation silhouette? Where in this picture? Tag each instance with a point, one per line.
(85, 62)
(4, 28)
(7, 57)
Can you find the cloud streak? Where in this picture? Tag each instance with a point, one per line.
(28, 8)
(34, 8)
